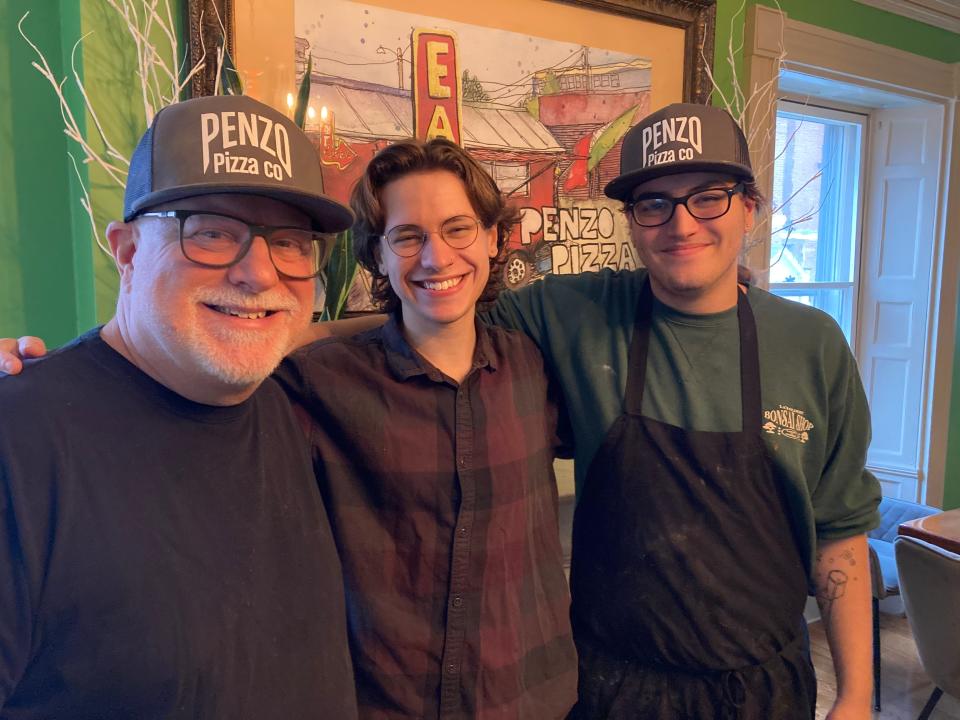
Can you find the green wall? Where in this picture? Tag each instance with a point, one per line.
(951, 490)
(54, 280)
(44, 260)
(861, 21)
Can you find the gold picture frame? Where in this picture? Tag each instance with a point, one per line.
(209, 20)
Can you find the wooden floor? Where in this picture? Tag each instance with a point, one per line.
(905, 687)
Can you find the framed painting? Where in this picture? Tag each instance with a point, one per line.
(543, 93)
(208, 19)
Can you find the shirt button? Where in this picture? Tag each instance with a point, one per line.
(462, 532)
(451, 669)
(458, 601)
(462, 461)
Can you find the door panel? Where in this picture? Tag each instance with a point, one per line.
(895, 279)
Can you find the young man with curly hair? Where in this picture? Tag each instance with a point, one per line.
(433, 439)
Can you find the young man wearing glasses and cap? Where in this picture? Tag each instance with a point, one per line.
(165, 551)
(721, 435)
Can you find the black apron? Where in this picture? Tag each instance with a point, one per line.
(688, 585)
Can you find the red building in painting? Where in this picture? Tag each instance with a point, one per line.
(537, 153)
(576, 104)
(360, 118)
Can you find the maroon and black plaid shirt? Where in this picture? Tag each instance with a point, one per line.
(443, 504)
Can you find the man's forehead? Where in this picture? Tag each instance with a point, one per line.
(682, 183)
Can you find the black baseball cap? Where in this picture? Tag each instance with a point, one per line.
(681, 138)
(229, 144)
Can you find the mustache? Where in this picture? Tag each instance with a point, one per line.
(275, 300)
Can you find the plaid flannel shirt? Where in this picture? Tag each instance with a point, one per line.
(443, 503)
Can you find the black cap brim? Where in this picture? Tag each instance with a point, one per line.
(327, 215)
(621, 187)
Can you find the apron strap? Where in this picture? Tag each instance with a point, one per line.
(751, 409)
(637, 365)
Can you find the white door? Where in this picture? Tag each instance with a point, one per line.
(895, 280)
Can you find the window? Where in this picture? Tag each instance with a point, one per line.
(817, 196)
(510, 177)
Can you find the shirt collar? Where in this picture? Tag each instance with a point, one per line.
(405, 362)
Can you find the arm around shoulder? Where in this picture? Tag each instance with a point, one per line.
(14, 350)
(336, 328)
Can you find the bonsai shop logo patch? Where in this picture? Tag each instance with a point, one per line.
(787, 422)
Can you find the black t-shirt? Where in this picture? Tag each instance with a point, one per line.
(161, 558)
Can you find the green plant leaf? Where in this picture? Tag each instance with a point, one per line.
(608, 137)
(230, 82)
(341, 271)
(303, 95)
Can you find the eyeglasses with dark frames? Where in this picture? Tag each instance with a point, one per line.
(458, 232)
(214, 240)
(656, 209)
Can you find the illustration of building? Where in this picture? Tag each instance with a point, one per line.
(578, 104)
(551, 153)
(517, 150)
(623, 76)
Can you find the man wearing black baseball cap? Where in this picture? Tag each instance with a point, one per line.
(166, 551)
(721, 435)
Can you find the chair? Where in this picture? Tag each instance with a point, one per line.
(883, 566)
(930, 585)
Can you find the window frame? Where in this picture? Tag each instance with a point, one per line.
(827, 111)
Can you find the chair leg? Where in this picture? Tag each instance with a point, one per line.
(931, 703)
(876, 654)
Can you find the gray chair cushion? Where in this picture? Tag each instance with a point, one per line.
(893, 512)
(930, 578)
(888, 566)
(883, 567)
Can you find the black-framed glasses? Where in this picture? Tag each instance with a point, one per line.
(407, 240)
(214, 240)
(655, 209)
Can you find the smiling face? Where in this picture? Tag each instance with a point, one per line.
(693, 263)
(439, 286)
(190, 326)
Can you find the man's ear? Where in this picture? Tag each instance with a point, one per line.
(123, 240)
(492, 249)
(378, 256)
(749, 213)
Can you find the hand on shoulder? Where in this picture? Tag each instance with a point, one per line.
(14, 350)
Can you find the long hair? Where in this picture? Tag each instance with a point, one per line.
(413, 156)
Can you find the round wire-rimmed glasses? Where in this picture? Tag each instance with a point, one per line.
(656, 209)
(458, 232)
(214, 240)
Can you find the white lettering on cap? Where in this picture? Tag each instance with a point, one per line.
(209, 129)
(647, 139)
(239, 130)
(282, 143)
(687, 130)
(695, 134)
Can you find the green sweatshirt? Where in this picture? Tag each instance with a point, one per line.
(816, 421)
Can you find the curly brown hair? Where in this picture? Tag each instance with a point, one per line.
(417, 156)
(752, 192)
